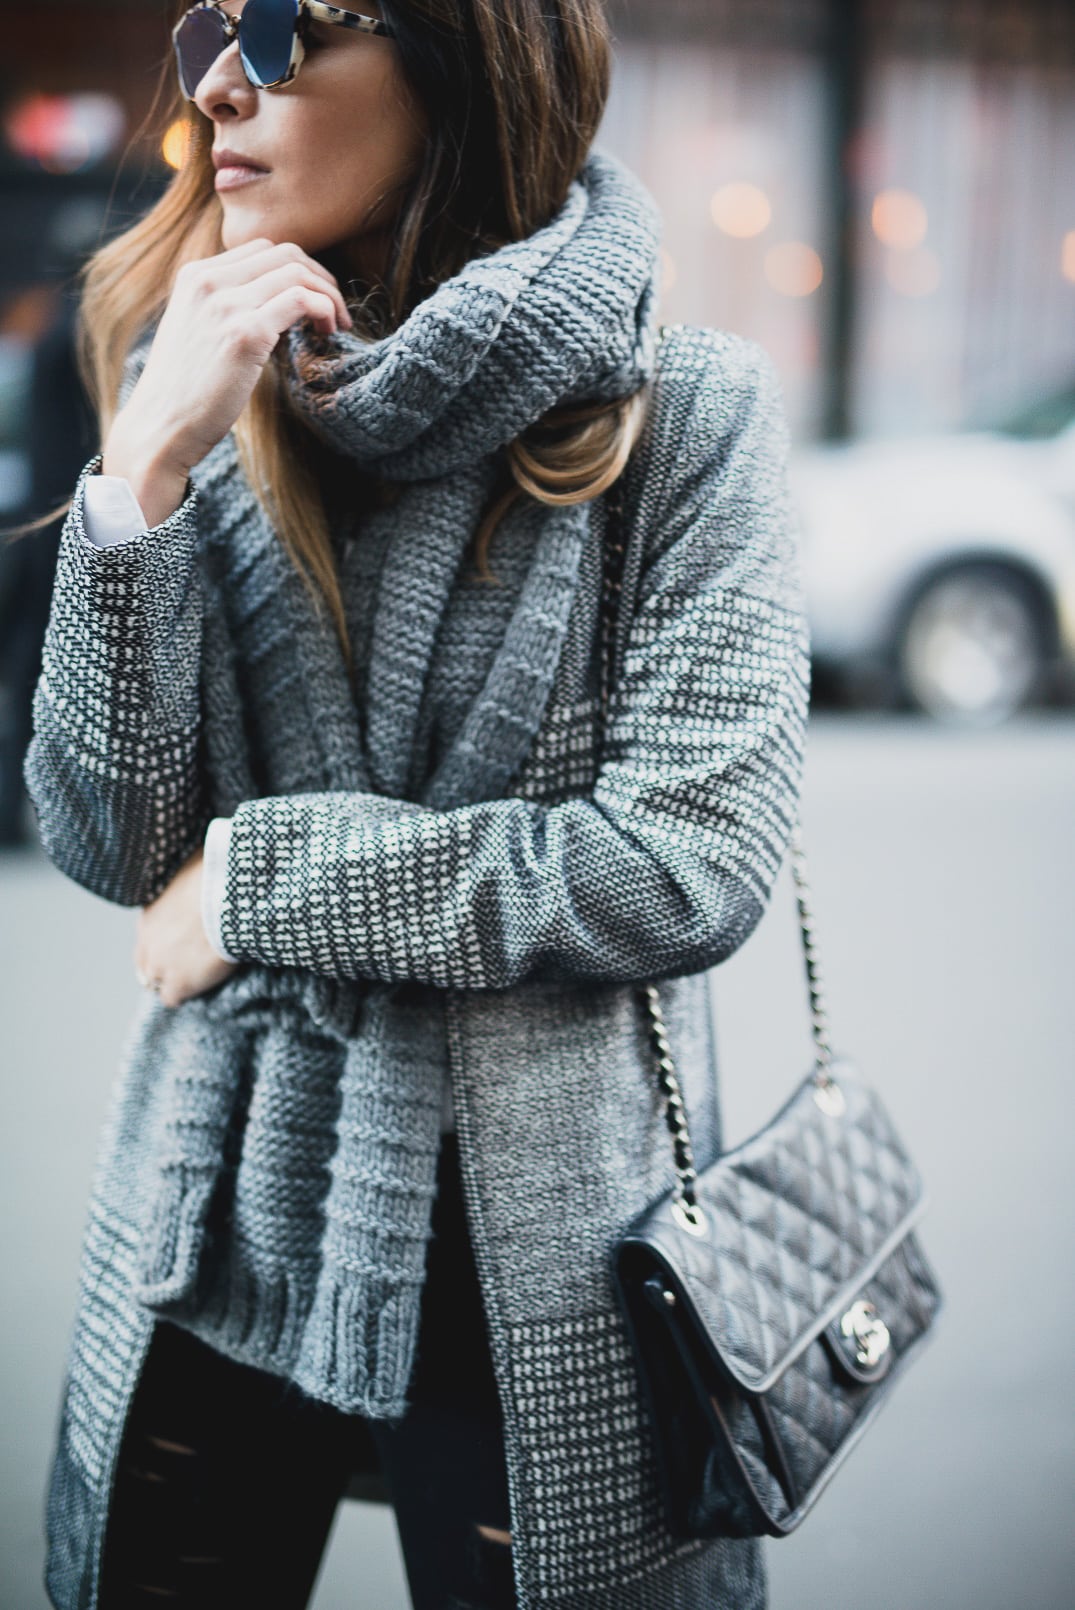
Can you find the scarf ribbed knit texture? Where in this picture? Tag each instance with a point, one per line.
(305, 1262)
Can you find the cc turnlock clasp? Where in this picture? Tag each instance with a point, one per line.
(863, 1325)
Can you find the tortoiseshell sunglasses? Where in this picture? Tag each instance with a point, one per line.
(270, 33)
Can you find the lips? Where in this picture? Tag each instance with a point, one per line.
(225, 158)
(234, 170)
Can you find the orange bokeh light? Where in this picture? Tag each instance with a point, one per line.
(793, 268)
(741, 210)
(1067, 256)
(899, 219)
(175, 145)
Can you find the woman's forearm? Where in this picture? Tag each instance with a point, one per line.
(113, 767)
(156, 478)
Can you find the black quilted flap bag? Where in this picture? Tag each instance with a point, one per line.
(773, 1306)
(773, 1300)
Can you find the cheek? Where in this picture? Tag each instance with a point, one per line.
(363, 140)
(332, 203)
(339, 149)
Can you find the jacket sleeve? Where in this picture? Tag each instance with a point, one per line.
(666, 867)
(112, 767)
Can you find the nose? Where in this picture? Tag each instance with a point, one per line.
(225, 91)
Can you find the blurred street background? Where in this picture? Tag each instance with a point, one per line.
(881, 193)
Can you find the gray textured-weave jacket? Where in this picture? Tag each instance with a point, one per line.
(522, 920)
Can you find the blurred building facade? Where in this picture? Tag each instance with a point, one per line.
(880, 191)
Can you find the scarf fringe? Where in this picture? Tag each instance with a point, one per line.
(256, 1315)
(173, 1235)
(353, 1345)
(359, 1355)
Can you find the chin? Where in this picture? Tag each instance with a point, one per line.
(236, 231)
(242, 223)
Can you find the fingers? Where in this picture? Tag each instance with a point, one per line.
(221, 326)
(280, 312)
(244, 266)
(294, 276)
(143, 971)
(269, 255)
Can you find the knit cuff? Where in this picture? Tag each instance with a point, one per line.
(177, 532)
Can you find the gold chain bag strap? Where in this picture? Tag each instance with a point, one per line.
(773, 1298)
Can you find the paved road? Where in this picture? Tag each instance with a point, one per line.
(944, 891)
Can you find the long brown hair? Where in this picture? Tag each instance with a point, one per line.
(514, 91)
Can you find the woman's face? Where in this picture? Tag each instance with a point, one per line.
(338, 137)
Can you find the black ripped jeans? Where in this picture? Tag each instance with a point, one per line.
(228, 1478)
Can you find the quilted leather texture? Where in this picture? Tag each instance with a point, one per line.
(815, 1409)
(800, 1215)
(753, 1406)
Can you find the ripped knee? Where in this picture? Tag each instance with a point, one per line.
(170, 1447)
(494, 1534)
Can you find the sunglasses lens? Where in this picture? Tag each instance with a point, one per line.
(265, 35)
(198, 43)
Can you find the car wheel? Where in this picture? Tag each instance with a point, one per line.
(974, 646)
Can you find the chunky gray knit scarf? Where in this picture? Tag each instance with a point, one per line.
(320, 1278)
(564, 316)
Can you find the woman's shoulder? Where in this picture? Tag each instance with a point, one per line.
(711, 463)
(710, 387)
(717, 373)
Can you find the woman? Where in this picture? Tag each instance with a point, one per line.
(328, 710)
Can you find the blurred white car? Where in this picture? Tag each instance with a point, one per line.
(940, 570)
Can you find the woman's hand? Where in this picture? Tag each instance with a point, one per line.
(171, 950)
(224, 317)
